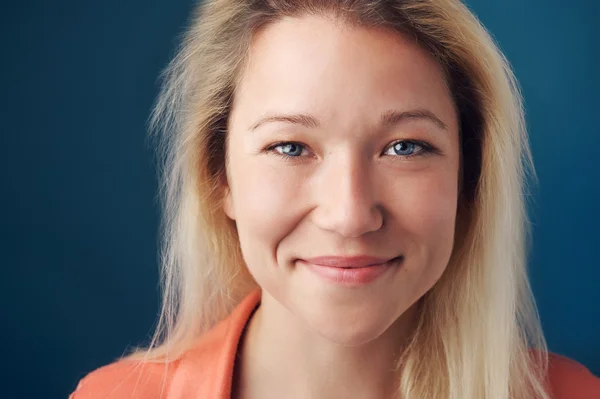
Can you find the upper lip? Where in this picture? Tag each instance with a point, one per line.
(347, 261)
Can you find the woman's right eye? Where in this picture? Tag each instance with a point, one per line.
(287, 149)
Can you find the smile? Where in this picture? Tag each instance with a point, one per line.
(352, 276)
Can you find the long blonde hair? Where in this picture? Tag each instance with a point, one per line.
(478, 334)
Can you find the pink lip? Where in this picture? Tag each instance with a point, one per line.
(347, 261)
(362, 270)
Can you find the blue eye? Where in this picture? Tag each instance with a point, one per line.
(289, 149)
(405, 148)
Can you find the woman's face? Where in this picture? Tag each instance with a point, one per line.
(342, 142)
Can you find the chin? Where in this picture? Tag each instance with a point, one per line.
(349, 328)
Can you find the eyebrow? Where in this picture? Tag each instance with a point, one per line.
(387, 119)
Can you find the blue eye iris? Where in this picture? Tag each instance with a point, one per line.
(291, 149)
(404, 148)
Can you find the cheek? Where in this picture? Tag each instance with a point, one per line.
(427, 213)
(434, 207)
(264, 199)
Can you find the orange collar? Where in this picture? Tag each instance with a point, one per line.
(206, 370)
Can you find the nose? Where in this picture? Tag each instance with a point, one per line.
(347, 198)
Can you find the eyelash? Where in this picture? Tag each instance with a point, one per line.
(426, 149)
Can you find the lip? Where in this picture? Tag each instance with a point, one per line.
(362, 270)
(347, 261)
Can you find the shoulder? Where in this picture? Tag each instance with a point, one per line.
(571, 380)
(126, 378)
(203, 370)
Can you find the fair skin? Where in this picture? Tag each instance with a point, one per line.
(352, 184)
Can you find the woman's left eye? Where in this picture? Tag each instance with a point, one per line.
(407, 148)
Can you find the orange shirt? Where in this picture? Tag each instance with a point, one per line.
(206, 370)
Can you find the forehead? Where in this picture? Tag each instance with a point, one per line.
(342, 74)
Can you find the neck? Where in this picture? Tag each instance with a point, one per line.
(280, 357)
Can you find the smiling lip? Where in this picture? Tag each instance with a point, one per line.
(347, 261)
(350, 271)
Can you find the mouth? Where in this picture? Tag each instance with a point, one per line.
(349, 261)
(353, 276)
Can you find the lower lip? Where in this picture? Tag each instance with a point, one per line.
(356, 276)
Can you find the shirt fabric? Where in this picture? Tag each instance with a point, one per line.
(206, 370)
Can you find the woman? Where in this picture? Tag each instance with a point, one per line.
(343, 212)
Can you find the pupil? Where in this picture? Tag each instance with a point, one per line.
(403, 147)
(291, 149)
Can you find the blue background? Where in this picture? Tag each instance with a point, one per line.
(78, 208)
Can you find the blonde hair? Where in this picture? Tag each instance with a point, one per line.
(478, 334)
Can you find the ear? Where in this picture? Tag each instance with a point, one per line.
(228, 203)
